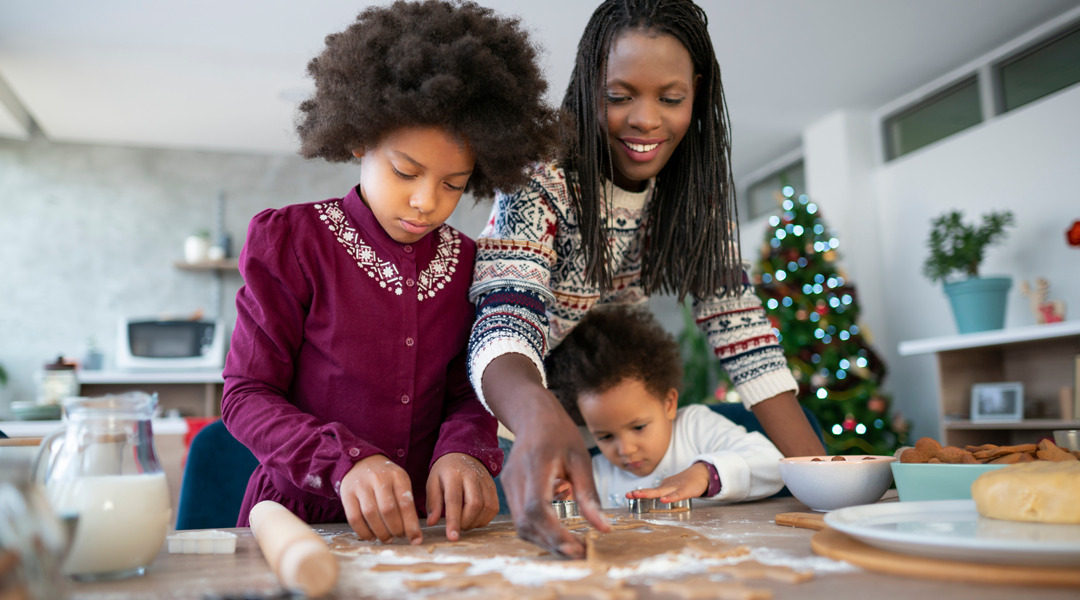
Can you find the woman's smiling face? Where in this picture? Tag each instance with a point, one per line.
(647, 103)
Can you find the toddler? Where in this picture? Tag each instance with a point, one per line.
(618, 373)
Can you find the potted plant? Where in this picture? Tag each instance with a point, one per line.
(957, 250)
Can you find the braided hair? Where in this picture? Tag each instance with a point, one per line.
(691, 237)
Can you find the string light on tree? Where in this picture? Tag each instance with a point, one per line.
(814, 308)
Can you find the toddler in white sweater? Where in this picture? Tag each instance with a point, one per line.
(618, 373)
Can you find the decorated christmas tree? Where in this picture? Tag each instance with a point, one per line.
(815, 312)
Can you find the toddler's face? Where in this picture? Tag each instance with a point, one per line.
(632, 426)
(413, 179)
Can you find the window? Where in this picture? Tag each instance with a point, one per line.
(952, 110)
(1016, 75)
(764, 195)
(1040, 70)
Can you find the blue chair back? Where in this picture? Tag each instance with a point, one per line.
(215, 479)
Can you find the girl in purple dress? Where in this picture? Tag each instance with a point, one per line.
(346, 372)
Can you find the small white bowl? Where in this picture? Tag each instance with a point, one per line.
(824, 484)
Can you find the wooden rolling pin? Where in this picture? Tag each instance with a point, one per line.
(297, 555)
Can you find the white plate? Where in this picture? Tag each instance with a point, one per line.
(953, 529)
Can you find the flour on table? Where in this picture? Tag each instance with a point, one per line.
(638, 555)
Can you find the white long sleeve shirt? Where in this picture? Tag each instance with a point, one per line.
(747, 462)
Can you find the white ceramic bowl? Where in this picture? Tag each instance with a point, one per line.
(824, 484)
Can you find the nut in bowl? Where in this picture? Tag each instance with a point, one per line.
(825, 483)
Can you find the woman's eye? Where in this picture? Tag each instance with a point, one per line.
(672, 100)
(617, 99)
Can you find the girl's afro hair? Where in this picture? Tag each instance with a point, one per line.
(458, 66)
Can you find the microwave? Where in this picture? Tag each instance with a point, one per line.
(150, 343)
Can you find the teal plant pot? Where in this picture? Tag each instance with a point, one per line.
(979, 303)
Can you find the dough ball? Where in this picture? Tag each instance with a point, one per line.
(1041, 491)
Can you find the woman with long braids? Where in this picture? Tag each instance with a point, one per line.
(640, 201)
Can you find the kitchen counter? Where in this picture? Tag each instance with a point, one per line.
(168, 426)
(751, 524)
(192, 376)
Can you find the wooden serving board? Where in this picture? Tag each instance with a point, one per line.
(836, 545)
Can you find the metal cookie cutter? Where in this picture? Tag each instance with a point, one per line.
(652, 505)
(565, 509)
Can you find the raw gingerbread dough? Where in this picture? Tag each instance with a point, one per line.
(752, 569)
(424, 567)
(631, 541)
(1044, 492)
(706, 589)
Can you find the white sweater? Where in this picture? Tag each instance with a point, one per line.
(747, 462)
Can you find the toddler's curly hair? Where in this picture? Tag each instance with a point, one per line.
(609, 345)
(458, 66)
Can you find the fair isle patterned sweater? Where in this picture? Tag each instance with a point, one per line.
(530, 291)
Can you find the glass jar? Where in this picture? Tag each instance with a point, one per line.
(102, 467)
(55, 382)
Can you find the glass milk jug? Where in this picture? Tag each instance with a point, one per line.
(102, 468)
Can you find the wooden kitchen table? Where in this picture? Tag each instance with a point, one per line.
(750, 524)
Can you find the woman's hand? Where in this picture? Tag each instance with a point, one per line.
(462, 488)
(378, 500)
(547, 448)
(691, 483)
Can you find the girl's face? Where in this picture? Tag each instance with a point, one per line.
(649, 99)
(632, 426)
(413, 179)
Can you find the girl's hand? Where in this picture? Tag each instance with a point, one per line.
(460, 486)
(691, 483)
(378, 500)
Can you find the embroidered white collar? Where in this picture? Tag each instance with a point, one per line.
(438, 273)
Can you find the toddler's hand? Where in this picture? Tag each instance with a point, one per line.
(378, 500)
(462, 488)
(691, 483)
(564, 490)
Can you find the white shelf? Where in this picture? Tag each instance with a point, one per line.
(990, 338)
(139, 377)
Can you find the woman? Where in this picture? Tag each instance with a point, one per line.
(641, 201)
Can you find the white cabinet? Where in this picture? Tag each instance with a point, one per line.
(1044, 358)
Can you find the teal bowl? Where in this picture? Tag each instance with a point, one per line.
(924, 481)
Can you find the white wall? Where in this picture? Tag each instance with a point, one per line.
(1025, 161)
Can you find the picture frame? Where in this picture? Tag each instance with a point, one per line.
(1003, 401)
